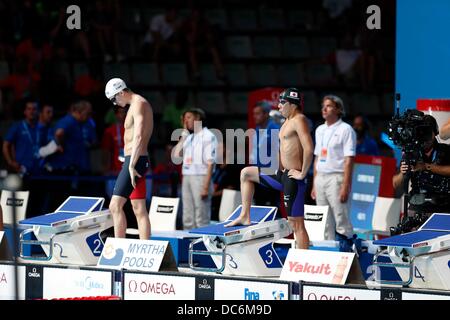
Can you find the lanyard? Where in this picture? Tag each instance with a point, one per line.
(433, 157)
(190, 145)
(27, 130)
(193, 142)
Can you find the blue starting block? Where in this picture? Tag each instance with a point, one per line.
(421, 257)
(71, 234)
(243, 250)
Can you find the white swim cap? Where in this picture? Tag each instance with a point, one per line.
(114, 86)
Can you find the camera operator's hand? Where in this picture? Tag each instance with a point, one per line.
(404, 168)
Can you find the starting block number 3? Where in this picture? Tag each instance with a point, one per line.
(269, 256)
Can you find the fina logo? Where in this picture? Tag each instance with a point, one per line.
(204, 285)
(250, 295)
(278, 295)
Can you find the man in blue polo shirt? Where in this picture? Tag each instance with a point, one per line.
(22, 142)
(262, 141)
(69, 135)
(365, 144)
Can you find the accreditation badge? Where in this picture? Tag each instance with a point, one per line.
(323, 154)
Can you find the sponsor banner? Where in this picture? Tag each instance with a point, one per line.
(7, 282)
(365, 186)
(34, 283)
(332, 293)
(250, 290)
(424, 296)
(133, 254)
(317, 266)
(204, 288)
(164, 209)
(74, 283)
(140, 286)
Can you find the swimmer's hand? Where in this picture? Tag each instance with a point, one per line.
(296, 174)
(133, 175)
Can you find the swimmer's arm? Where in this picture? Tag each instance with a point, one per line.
(138, 133)
(313, 191)
(304, 136)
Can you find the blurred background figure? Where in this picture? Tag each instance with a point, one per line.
(112, 144)
(22, 142)
(198, 151)
(201, 39)
(168, 176)
(276, 117)
(73, 136)
(104, 19)
(162, 40)
(173, 113)
(226, 176)
(365, 144)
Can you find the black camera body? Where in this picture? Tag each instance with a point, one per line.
(410, 131)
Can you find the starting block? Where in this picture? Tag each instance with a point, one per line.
(243, 250)
(71, 234)
(422, 257)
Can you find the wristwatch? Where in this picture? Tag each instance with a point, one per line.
(428, 166)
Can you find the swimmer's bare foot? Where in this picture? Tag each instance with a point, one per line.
(240, 221)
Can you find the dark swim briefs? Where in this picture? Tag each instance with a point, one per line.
(123, 186)
(294, 190)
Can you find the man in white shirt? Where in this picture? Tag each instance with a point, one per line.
(333, 164)
(197, 146)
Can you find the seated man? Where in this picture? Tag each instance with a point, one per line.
(296, 153)
(430, 177)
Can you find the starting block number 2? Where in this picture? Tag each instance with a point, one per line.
(95, 243)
